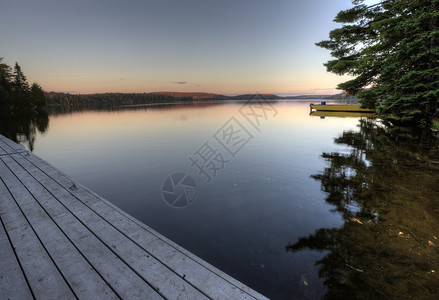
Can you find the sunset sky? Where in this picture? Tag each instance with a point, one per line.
(228, 47)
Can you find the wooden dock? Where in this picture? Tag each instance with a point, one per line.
(339, 108)
(341, 114)
(59, 240)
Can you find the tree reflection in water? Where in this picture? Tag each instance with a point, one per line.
(386, 187)
(22, 128)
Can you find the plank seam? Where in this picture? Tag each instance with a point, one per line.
(158, 236)
(6, 154)
(137, 223)
(13, 248)
(30, 225)
(117, 229)
(2, 149)
(3, 144)
(63, 232)
(91, 231)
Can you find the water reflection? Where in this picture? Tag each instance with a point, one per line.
(381, 184)
(87, 107)
(23, 128)
(386, 187)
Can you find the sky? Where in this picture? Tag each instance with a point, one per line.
(225, 47)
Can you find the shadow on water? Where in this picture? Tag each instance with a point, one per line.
(23, 128)
(386, 187)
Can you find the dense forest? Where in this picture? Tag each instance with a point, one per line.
(392, 51)
(121, 99)
(16, 96)
(63, 102)
(22, 107)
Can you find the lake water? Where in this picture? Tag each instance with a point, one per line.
(295, 206)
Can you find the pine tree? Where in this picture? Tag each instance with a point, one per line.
(392, 50)
(37, 97)
(15, 95)
(20, 82)
(5, 81)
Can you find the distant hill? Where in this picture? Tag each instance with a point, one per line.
(115, 99)
(343, 96)
(248, 96)
(243, 96)
(309, 97)
(194, 95)
(212, 96)
(340, 96)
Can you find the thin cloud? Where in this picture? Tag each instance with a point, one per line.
(179, 82)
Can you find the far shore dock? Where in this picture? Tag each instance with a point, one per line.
(59, 240)
(339, 108)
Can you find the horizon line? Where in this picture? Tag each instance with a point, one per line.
(218, 94)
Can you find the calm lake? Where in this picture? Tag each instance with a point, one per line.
(294, 205)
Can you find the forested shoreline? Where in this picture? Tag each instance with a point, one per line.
(106, 99)
(391, 50)
(64, 102)
(16, 95)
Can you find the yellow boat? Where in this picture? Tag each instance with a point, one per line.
(341, 114)
(339, 107)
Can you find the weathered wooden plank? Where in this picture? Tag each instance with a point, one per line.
(13, 284)
(3, 141)
(43, 277)
(199, 273)
(2, 152)
(10, 147)
(101, 232)
(4, 148)
(80, 275)
(154, 272)
(213, 282)
(120, 277)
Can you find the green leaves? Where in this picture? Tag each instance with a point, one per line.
(392, 50)
(20, 82)
(37, 97)
(15, 94)
(351, 15)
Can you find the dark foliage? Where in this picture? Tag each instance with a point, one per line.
(16, 97)
(392, 51)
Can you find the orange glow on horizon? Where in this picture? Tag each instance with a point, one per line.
(324, 84)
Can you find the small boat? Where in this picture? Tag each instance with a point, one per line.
(341, 114)
(339, 107)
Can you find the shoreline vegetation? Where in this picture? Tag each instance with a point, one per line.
(65, 102)
(16, 95)
(22, 107)
(391, 50)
